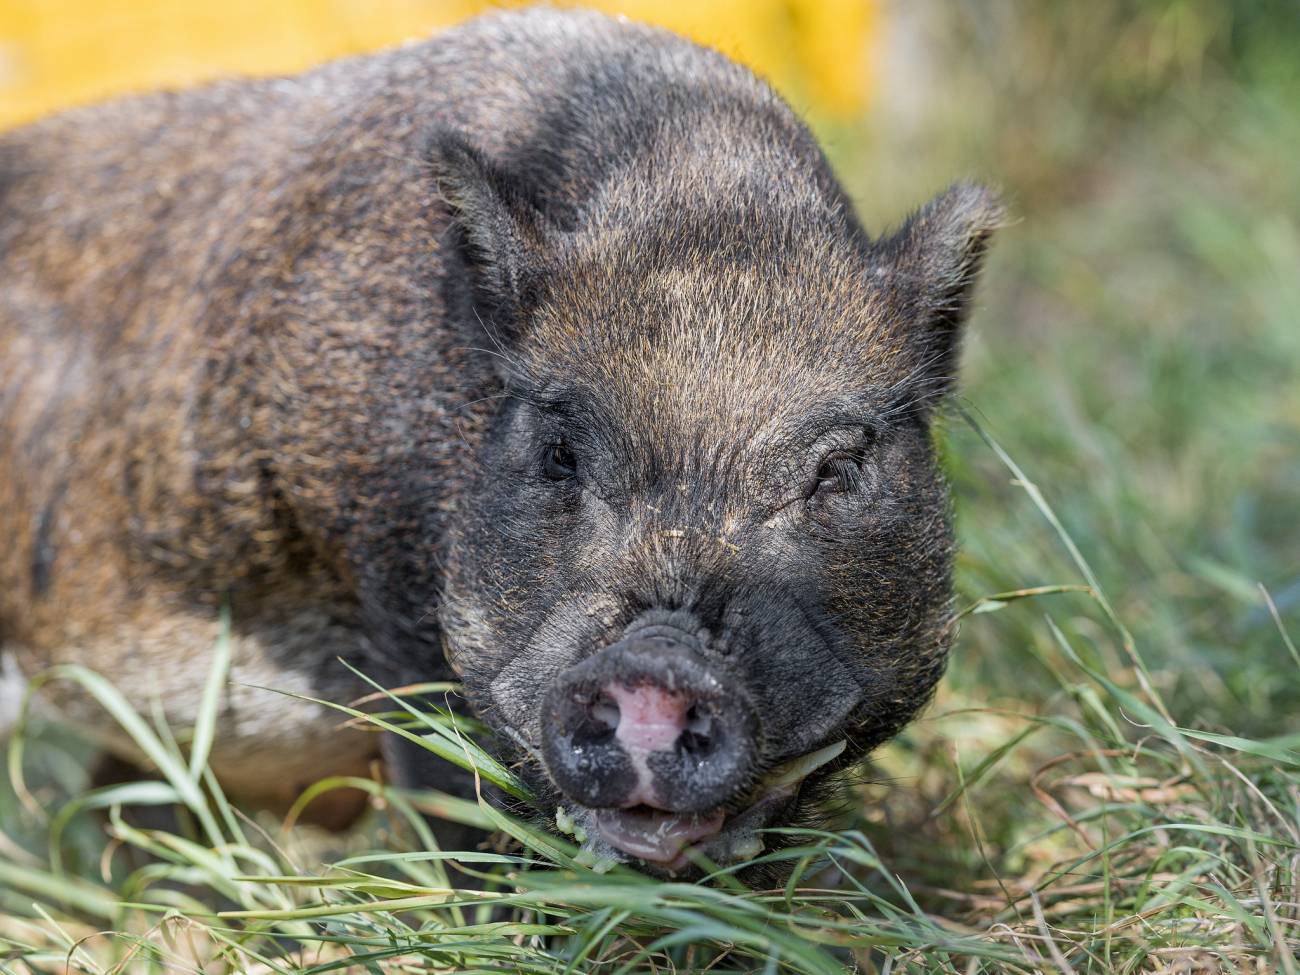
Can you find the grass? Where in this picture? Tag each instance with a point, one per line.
(1109, 780)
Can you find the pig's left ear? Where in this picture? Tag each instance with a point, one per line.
(501, 236)
(929, 269)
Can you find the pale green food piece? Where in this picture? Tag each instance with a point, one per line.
(566, 825)
(597, 864)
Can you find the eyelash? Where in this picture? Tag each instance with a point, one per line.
(558, 462)
(840, 472)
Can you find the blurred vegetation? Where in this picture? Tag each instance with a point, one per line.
(1139, 343)
(1136, 351)
(58, 53)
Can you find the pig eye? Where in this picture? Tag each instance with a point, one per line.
(838, 473)
(558, 462)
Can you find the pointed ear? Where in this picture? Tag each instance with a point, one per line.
(500, 231)
(930, 267)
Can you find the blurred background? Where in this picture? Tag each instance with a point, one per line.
(54, 53)
(1136, 347)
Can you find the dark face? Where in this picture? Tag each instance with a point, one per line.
(706, 559)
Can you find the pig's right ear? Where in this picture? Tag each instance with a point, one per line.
(500, 231)
(929, 269)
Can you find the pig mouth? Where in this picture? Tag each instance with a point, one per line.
(655, 836)
(671, 842)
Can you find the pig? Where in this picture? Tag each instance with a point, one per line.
(547, 355)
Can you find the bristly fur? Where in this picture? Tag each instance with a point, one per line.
(297, 345)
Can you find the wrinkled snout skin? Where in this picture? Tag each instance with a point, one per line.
(549, 353)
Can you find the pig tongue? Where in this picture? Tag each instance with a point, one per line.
(657, 837)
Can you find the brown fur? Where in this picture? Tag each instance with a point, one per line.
(195, 401)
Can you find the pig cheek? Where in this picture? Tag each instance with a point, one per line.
(806, 687)
(817, 695)
(567, 634)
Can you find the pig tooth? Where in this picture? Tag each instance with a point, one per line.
(798, 769)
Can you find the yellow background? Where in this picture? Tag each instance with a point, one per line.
(58, 53)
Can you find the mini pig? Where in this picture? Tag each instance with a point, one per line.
(547, 353)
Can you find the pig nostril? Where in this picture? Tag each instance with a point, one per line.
(604, 711)
(698, 737)
(600, 722)
(698, 721)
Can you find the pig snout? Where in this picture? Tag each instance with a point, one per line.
(651, 721)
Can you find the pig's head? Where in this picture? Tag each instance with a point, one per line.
(705, 560)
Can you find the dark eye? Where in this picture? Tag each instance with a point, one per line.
(558, 462)
(838, 473)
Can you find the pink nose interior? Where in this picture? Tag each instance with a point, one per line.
(649, 719)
